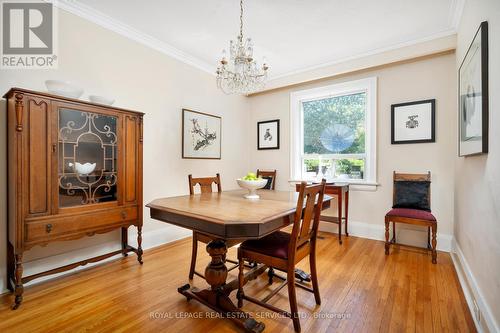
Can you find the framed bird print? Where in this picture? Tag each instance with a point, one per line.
(201, 135)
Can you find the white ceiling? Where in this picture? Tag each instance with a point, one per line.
(294, 35)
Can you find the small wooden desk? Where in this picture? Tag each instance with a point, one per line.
(227, 216)
(341, 191)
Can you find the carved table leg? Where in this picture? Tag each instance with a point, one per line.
(18, 275)
(139, 244)
(217, 296)
(387, 236)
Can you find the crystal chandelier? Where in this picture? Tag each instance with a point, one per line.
(240, 74)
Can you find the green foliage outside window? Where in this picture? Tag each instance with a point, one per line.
(348, 110)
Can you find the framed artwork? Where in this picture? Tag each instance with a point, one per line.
(413, 122)
(201, 135)
(268, 134)
(473, 96)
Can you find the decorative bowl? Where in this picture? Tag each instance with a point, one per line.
(252, 186)
(101, 100)
(83, 169)
(63, 88)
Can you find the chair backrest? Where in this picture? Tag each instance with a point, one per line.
(305, 226)
(205, 184)
(416, 182)
(271, 175)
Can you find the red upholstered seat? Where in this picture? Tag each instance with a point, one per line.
(274, 245)
(412, 213)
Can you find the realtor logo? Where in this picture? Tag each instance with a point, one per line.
(28, 32)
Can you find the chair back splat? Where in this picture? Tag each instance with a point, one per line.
(204, 183)
(307, 216)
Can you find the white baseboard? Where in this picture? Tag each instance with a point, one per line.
(404, 234)
(487, 322)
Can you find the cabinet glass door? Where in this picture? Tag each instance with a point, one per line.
(87, 171)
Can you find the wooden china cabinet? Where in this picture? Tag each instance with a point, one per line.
(74, 170)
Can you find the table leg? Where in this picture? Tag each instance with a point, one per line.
(339, 207)
(217, 296)
(346, 212)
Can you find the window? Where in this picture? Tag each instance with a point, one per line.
(333, 132)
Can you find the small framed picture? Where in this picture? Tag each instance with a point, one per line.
(201, 135)
(268, 134)
(473, 96)
(413, 122)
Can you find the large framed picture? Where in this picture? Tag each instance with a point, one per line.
(201, 135)
(473, 96)
(413, 122)
(268, 134)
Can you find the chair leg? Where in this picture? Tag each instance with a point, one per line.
(194, 253)
(394, 232)
(294, 311)
(270, 274)
(387, 236)
(434, 243)
(241, 281)
(429, 238)
(314, 274)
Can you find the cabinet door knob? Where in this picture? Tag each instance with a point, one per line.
(124, 214)
(48, 228)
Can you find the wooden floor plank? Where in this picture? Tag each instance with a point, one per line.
(362, 290)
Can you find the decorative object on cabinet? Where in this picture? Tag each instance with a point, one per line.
(201, 135)
(268, 134)
(63, 88)
(74, 170)
(101, 100)
(473, 96)
(413, 122)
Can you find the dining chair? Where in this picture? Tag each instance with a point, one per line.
(206, 186)
(283, 251)
(270, 176)
(412, 205)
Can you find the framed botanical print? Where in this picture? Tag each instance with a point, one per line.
(268, 134)
(413, 122)
(201, 135)
(473, 96)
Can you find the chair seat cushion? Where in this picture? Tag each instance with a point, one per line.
(412, 213)
(274, 245)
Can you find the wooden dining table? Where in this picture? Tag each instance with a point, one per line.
(228, 216)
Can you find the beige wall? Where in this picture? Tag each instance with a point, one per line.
(430, 78)
(477, 178)
(142, 79)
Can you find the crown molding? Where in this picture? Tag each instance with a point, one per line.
(372, 52)
(105, 21)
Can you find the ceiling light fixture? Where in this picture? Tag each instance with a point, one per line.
(241, 73)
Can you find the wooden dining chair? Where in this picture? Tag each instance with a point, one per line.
(412, 205)
(283, 251)
(206, 186)
(270, 176)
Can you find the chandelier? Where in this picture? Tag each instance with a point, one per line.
(241, 73)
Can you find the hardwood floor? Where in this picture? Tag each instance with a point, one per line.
(362, 290)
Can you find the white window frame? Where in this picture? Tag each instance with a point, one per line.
(368, 86)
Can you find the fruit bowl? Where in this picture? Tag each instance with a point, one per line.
(252, 186)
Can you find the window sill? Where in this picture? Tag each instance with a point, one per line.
(353, 184)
